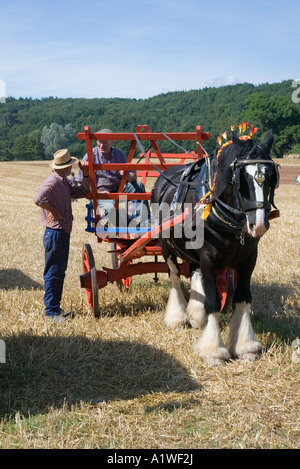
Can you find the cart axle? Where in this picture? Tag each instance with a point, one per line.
(86, 280)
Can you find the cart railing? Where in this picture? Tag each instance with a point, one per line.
(149, 165)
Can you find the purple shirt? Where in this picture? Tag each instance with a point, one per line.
(106, 180)
(58, 192)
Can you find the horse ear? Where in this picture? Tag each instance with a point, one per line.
(235, 139)
(268, 140)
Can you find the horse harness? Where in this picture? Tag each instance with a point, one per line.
(221, 216)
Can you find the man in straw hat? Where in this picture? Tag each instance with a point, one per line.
(54, 198)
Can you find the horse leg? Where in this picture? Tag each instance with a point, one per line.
(210, 345)
(195, 308)
(175, 315)
(242, 340)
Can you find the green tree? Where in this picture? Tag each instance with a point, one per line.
(57, 136)
(286, 140)
(215, 109)
(28, 147)
(277, 113)
(5, 154)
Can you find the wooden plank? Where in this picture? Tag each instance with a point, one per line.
(143, 136)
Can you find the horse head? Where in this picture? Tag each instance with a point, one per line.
(254, 177)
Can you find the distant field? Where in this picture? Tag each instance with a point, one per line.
(124, 380)
(288, 171)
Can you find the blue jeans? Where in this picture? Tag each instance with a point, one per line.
(56, 245)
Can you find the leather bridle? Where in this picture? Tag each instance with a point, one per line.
(259, 177)
(234, 218)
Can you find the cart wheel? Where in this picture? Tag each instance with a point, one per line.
(89, 266)
(115, 264)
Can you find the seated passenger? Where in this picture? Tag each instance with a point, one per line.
(109, 181)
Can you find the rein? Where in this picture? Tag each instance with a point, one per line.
(174, 143)
(183, 149)
(149, 161)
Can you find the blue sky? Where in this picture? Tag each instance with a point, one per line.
(141, 48)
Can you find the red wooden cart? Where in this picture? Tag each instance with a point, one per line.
(126, 250)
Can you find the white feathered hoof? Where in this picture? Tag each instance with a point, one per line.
(196, 314)
(195, 308)
(251, 357)
(242, 341)
(210, 346)
(222, 356)
(175, 315)
(176, 319)
(248, 351)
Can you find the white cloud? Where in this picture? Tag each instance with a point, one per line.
(222, 81)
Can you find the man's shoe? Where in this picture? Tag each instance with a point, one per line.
(59, 318)
(64, 314)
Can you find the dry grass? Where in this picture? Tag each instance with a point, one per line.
(124, 381)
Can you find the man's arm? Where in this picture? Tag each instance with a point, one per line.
(43, 199)
(79, 175)
(84, 168)
(53, 213)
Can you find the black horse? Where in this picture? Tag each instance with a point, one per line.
(237, 185)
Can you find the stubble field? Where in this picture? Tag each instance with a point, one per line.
(124, 381)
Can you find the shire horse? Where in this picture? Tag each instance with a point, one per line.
(238, 181)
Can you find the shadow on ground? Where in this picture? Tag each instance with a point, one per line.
(276, 309)
(15, 278)
(48, 372)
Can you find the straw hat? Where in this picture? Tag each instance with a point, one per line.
(62, 159)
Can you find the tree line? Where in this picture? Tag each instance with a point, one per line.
(32, 129)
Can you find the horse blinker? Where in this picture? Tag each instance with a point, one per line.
(259, 175)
